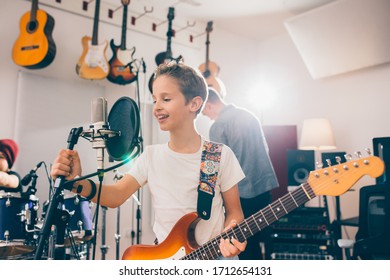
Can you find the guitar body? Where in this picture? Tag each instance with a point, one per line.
(179, 243)
(35, 47)
(121, 71)
(210, 73)
(93, 63)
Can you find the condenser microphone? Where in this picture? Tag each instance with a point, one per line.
(27, 179)
(99, 130)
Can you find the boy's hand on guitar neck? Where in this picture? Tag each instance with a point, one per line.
(231, 247)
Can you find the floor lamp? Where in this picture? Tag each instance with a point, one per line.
(317, 135)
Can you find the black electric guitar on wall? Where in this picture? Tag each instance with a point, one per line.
(180, 243)
(166, 56)
(93, 63)
(35, 47)
(121, 70)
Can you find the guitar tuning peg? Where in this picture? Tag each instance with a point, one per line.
(368, 151)
(338, 159)
(328, 162)
(348, 156)
(319, 165)
(358, 154)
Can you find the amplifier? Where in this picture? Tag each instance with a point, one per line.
(290, 251)
(279, 236)
(304, 219)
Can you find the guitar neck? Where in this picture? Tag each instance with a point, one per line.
(34, 9)
(255, 223)
(124, 28)
(207, 51)
(95, 40)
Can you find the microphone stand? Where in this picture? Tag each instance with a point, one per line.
(118, 213)
(104, 248)
(53, 212)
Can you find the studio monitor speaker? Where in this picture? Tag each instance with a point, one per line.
(300, 163)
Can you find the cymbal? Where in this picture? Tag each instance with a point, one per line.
(8, 249)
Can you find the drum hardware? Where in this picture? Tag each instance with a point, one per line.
(17, 221)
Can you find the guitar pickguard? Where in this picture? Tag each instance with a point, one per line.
(95, 57)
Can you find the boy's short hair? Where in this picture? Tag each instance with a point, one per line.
(190, 80)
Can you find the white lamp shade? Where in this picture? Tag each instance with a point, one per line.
(317, 134)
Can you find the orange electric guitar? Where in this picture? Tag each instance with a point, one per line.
(210, 69)
(93, 63)
(35, 47)
(166, 56)
(180, 243)
(121, 70)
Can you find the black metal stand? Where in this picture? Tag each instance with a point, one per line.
(52, 210)
(118, 233)
(104, 248)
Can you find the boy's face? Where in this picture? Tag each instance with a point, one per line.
(170, 108)
(3, 163)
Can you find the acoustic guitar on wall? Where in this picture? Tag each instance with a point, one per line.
(35, 47)
(180, 243)
(93, 62)
(166, 56)
(210, 69)
(121, 70)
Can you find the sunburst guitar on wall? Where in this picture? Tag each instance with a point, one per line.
(93, 62)
(35, 47)
(180, 243)
(121, 63)
(210, 69)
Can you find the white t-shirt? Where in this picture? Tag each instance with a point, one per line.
(173, 180)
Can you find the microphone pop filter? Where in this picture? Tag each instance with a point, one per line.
(123, 117)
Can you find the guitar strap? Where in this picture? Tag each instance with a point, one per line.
(209, 167)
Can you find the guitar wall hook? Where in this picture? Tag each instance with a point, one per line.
(111, 11)
(155, 25)
(86, 3)
(187, 26)
(146, 11)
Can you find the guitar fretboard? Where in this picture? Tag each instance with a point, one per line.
(255, 223)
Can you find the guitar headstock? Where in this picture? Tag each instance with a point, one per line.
(209, 27)
(337, 179)
(171, 13)
(125, 2)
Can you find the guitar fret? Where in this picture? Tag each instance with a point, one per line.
(310, 191)
(253, 217)
(248, 228)
(285, 210)
(308, 196)
(264, 217)
(272, 211)
(293, 199)
(278, 209)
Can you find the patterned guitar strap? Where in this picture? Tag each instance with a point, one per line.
(209, 167)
